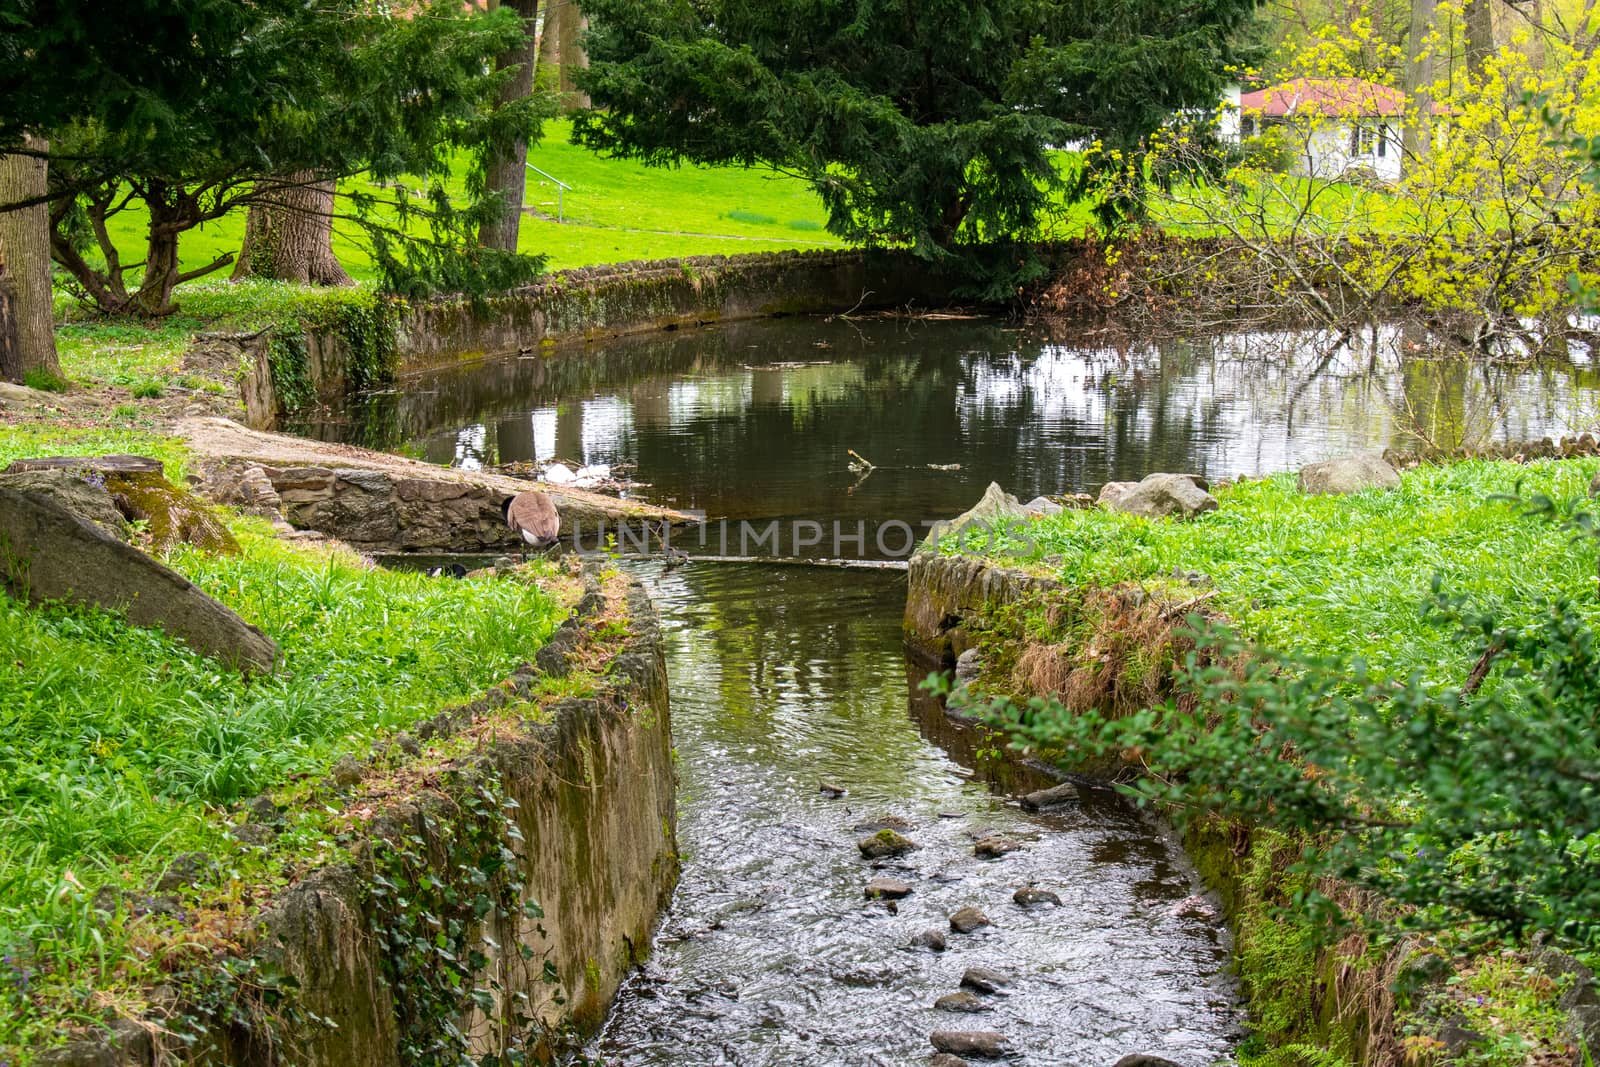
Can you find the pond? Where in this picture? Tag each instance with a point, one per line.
(784, 677)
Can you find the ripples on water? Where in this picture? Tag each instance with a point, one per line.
(771, 955)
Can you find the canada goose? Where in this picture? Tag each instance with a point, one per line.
(533, 516)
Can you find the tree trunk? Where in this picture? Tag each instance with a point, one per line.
(288, 233)
(573, 58)
(27, 320)
(506, 173)
(1479, 18)
(1417, 136)
(1534, 14)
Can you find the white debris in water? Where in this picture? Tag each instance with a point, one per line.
(559, 474)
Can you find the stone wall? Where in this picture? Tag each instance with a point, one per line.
(596, 303)
(379, 503)
(593, 836)
(943, 593)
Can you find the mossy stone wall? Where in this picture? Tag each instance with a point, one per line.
(312, 362)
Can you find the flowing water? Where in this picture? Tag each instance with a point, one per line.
(784, 677)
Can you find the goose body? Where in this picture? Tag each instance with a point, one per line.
(533, 517)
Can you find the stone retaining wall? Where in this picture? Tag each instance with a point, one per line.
(592, 837)
(943, 593)
(601, 302)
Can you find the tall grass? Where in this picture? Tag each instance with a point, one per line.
(119, 747)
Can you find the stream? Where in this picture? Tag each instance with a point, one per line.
(785, 677)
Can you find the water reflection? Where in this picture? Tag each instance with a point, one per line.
(756, 419)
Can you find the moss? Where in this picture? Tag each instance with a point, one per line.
(173, 516)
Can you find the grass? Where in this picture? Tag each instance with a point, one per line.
(1344, 577)
(122, 430)
(1347, 576)
(615, 211)
(120, 748)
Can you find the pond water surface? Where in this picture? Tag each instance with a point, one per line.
(783, 676)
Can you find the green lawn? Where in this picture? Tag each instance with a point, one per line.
(1346, 576)
(616, 211)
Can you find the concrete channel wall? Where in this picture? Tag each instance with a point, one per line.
(593, 304)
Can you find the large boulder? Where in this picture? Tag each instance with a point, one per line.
(1160, 496)
(1349, 474)
(138, 490)
(995, 510)
(86, 499)
(55, 554)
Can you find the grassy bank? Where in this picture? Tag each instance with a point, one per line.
(1343, 579)
(1342, 576)
(122, 749)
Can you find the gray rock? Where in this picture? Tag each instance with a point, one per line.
(1161, 496)
(1349, 474)
(254, 833)
(1112, 492)
(1029, 897)
(984, 980)
(184, 871)
(83, 499)
(54, 554)
(944, 1059)
(122, 1044)
(1458, 1036)
(968, 665)
(886, 822)
(554, 659)
(885, 843)
(882, 888)
(1581, 998)
(365, 480)
(931, 938)
(968, 919)
(347, 772)
(263, 809)
(992, 848)
(1054, 797)
(1042, 505)
(962, 1001)
(996, 510)
(1144, 1059)
(984, 1044)
(109, 464)
(829, 789)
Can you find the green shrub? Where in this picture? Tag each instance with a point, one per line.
(147, 390)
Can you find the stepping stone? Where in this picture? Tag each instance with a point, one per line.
(962, 1001)
(985, 1044)
(984, 980)
(1029, 897)
(881, 888)
(968, 919)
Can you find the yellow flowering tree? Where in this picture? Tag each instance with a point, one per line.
(1482, 225)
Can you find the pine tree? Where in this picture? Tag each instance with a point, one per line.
(927, 122)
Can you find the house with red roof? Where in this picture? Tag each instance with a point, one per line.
(1346, 127)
